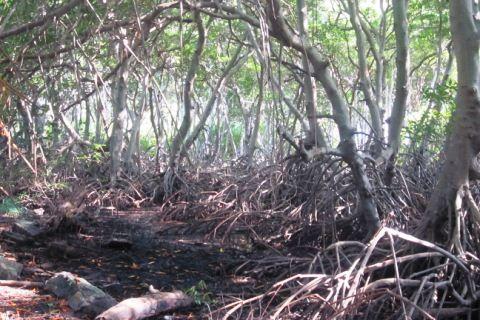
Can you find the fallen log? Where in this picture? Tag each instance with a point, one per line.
(22, 284)
(146, 306)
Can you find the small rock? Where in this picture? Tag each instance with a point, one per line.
(27, 227)
(9, 270)
(62, 284)
(82, 295)
(39, 211)
(90, 299)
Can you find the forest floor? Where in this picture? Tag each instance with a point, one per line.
(166, 255)
(269, 242)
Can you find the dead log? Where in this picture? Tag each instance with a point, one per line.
(22, 284)
(146, 306)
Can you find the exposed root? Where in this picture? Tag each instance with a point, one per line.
(358, 284)
(316, 264)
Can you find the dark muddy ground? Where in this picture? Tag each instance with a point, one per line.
(166, 255)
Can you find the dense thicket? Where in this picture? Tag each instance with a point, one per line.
(312, 123)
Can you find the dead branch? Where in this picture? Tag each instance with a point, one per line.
(146, 306)
(22, 284)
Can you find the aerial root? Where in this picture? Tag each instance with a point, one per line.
(374, 282)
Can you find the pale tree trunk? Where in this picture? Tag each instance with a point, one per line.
(71, 131)
(30, 132)
(157, 127)
(252, 141)
(86, 133)
(76, 115)
(293, 109)
(365, 83)
(55, 110)
(28, 125)
(377, 49)
(133, 145)
(402, 75)
(218, 136)
(399, 108)
(234, 63)
(230, 133)
(187, 93)
(98, 120)
(315, 135)
(119, 105)
(39, 119)
(119, 97)
(348, 148)
(379, 58)
(253, 133)
(464, 142)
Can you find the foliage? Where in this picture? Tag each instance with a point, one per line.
(430, 130)
(147, 145)
(200, 294)
(11, 207)
(95, 155)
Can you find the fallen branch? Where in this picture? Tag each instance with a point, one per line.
(4, 191)
(146, 306)
(22, 284)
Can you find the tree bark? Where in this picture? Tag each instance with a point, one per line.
(119, 102)
(315, 136)
(252, 141)
(280, 30)
(402, 75)
(234, 63)
(146, 306)
(98, 119)
(86, 132)
(133, 145)
(365, 83)
(187, 92)
(55, 13)
(464, 142)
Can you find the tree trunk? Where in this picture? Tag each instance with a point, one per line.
(365, 83)
(315, 135)
(119, 102)
(146, 306)
(397, 117)
(28, 125)
(252, 141)
(281, 31)
(187, 93)
(234, 63)
(86, 133)
(56, 132)
(133, 144)
(464, 142)
(98, 120)
(72, 133)
(157, 130)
